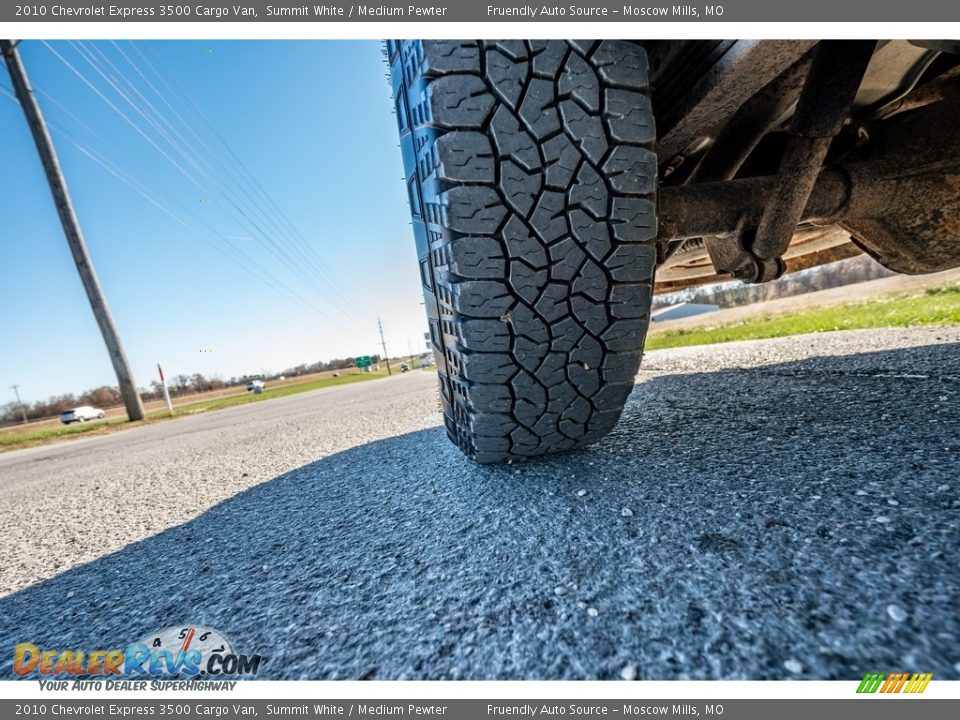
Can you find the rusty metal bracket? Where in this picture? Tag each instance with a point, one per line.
(830, 87)
(899, 197)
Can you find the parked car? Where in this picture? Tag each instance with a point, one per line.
(81, 414)
(255, 385)
(549, 180)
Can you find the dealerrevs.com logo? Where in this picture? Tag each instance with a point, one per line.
(192, 652)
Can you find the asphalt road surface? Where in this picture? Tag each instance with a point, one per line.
(770, 509)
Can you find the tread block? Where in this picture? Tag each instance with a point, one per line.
(483, 335)
(632, 262)
(621, 64)
(521, 244)
(565, 260)
(588, 354)
(488, 367)
(630, 300)
(482, 298)
(519, 187)
(620, 367)
(585, 129)
(538, 108)
(515, 49)
(563, 159)
(490, 398)
(565, 335)
(552, 304)
(549, 218)
(459, 102)
(580, 82)
(593, 236)
(476, 258)
(591, 281)
(626, 334)
(629, 116)
(474, 209)
(548, 56)
(525, 322)
(465, 157)
(589, 192)
(512, 141)
(442, 57)
(631, 170)
(587, 381)
(591, 314)
(527, 282)
(634, 219)
(529, 354)
(508, 76)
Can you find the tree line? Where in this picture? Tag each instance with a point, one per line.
(178, 385)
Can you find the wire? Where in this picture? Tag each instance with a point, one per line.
(284, 258)
(284, 252)
(238, 162)
(240, 258)
(140, 190)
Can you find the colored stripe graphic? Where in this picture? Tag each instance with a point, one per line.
(920, 684)
(894, 683)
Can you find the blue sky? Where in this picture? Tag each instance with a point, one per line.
(311, 124)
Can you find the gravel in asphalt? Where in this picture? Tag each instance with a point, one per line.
(769, 509)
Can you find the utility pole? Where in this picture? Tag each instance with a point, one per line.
(23, 409)
(383, 344)
(166, 392)
(71, 228)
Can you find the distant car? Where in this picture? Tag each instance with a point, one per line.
(81, 414)
(404, 367)
(255, 385)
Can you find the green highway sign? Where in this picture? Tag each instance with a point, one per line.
(363, 361)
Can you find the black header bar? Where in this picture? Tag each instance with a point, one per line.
(419, 11)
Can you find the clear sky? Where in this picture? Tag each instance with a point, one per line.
(311, 127)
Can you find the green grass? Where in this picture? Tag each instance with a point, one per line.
(32, 436)
(274, 392)
(11, 440)
(934, 306)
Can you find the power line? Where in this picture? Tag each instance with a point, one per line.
(244, 171)
(302, 256)
(285, 259)
(191, 156)
(249, 265)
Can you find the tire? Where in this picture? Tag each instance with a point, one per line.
(532, 186)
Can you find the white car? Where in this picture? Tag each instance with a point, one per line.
(80, 414)
(255, 385)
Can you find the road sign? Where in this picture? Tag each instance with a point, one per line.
(364, 361)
